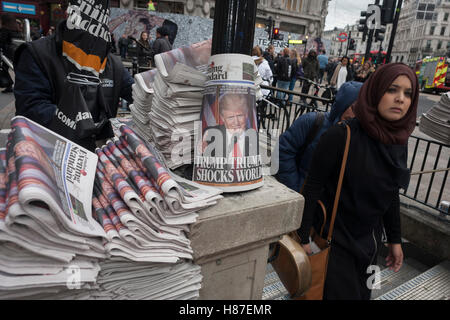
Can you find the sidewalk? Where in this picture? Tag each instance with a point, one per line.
(6, 113)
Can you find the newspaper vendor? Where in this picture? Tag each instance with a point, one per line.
(69, 81)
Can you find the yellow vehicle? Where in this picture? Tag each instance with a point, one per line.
(434, 74)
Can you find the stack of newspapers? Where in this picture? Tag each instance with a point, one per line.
(48, 246)
(74, 225)
(145, 211)
(436, 122)
(168, 101)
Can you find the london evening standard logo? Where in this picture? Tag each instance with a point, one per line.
(216, 72)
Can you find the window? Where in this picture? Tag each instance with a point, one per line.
(428, 44)
(439, 46)
(442, 31)
(446, 16)
(432, 30)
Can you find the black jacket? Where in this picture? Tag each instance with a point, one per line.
(41, 75)
(363, 207)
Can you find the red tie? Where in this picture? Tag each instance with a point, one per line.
(236, 153)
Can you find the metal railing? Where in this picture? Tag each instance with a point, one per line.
(276, 113)
(429, 162)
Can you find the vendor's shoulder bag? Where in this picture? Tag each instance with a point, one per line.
(298, 277)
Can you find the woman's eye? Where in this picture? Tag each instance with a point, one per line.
(408, 94)
(392, 90)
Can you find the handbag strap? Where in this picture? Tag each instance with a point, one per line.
(339, 186)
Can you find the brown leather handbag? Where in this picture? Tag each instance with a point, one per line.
(319, 261)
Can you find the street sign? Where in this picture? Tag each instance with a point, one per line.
(295, 41)
(19, 8)
(342, 37)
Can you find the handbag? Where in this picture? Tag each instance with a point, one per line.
(319, 261)
(304, 276)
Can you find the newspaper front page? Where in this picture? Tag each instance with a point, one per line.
(226, 146)
(55, 173)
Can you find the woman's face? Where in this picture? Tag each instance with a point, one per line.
(366, 66)
(344, 61)
(396, 100)
(144, 36)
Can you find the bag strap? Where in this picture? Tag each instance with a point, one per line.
(339, 186)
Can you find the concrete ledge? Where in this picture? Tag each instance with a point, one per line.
(231, 240)
(425, 229)
(244, 218)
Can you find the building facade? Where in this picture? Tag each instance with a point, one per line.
(423, 31)
(306, 17)
(335, 48)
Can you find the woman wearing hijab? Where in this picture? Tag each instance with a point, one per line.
(385, 117)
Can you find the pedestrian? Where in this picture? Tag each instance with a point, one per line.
(161, 44)
(144, 51)
(50, 31)
(283, 71)
(385, 117)
(323, 61)
(269, 56)
(296, 145)
(8, 31)
(342, 73)
(55, 84)
(310, 69)
(295, 63)
(263, 68)
(329, 69)
(364, 72)
(113, 44)
(123, 46)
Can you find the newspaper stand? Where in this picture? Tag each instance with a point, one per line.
(231, 239)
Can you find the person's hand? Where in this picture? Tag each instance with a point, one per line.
(307, 248)
(394, 260)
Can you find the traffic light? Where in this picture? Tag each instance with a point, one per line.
(351, 44)
(363, 25)
(277, 35)
(379, 34)
(387, 11)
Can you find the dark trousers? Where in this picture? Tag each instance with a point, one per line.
(346, 278)
(321, 73)
(123, 52)
(305, 89)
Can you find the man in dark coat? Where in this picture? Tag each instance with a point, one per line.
(310, 69)
(162, 43)
(41, 76)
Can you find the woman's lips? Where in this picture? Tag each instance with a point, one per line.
(396, 110)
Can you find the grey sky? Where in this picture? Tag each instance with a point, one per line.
(343, 12)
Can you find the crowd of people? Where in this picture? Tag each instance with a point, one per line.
(289, 66)
(146, 47)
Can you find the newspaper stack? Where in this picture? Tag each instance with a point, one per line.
(168, 101)
(436, 122)
(142, 101)
(49, 240)
(145, 211)
(120, 279)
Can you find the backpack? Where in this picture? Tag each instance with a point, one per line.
(284, 69)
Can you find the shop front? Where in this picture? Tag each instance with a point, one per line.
(41, 14)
